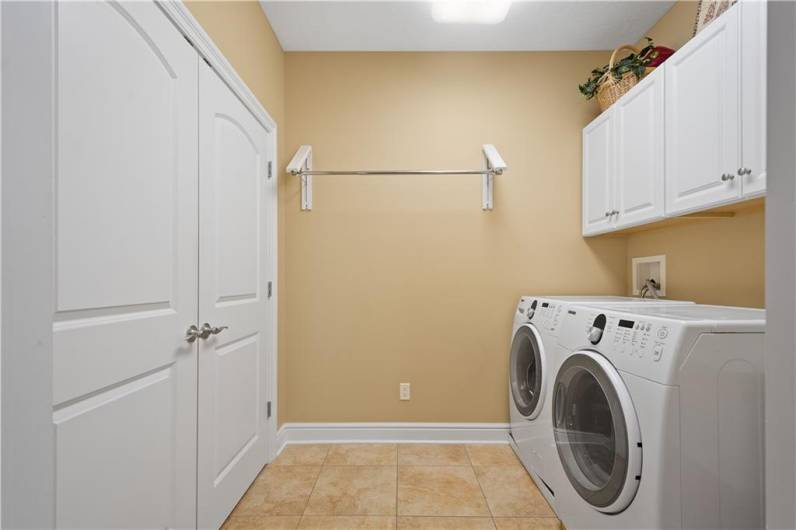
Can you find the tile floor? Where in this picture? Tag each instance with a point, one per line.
(383, 486)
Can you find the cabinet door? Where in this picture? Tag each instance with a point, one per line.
(753, 97)
(638, 118)
(598, 160)
(124, 377)
(702, 119)
(237, 201)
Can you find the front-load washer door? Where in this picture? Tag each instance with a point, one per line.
(527, 366)
(597, 432)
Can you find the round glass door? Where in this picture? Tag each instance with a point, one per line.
(527, 371)
(596, 431)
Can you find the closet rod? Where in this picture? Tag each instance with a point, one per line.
(401, 172)
(301, 166)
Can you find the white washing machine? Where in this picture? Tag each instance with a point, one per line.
(658, 417)
(532, 367)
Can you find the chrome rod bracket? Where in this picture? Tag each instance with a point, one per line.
(301, 166)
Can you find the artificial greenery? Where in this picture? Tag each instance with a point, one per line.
(635, 63)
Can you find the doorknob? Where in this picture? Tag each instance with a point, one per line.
(208, 330)
(192, 334)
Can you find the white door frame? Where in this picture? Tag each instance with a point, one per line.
(780, 350)
(28, 171)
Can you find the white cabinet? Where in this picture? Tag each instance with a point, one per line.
(598, 169)
(623, 161)
(702, 144)
(639, 188)
(752, 170)
(689, 137)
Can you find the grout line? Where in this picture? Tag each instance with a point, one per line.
(480, 487)
(315, 485)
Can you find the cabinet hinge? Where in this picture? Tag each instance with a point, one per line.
(270, 289)
(268, 409)
(270, 169)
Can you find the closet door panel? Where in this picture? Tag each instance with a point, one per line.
(124, 378)
(233, 265)
(703, 119)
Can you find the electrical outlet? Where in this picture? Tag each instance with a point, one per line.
(405, 392)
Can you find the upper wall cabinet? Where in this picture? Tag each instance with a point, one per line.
(703, 120)
(753, 98)
(690, 136)
(623, 161)
(598, 170)
(639, 157)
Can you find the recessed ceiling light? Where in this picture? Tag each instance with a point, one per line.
(470, 11)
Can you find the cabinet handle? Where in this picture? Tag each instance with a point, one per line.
(615, 212)
(727, 177)
(744, 171)
(608, 214)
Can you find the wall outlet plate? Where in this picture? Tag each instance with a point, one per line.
(404, 392)
(647, 267)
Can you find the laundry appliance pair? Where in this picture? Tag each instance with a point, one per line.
(533, 364)
(655, 413)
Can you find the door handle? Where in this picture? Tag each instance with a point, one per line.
(208, 330)
(192, 334)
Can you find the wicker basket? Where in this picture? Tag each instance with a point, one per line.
(610, 88)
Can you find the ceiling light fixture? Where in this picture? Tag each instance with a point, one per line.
(470, 11)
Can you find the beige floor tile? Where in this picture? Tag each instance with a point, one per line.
(261, 522)
(354, 490)
(527, 523)
(432, 455)
(347, 522)
(445, 523)
(440, 491)
(492, 455)
(279, 490)
(302, 455)
(510, 491)
(361, 455)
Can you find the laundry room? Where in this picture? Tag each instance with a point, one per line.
(405, 264)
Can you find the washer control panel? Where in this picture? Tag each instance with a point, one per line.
(634, 338)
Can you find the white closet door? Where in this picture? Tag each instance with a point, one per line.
(124, 378)
(703, 119)
(639, 152)
(234, 268)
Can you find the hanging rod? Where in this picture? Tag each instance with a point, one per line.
(400, 172)
(301, 166)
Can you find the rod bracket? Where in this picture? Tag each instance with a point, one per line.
(299, 165)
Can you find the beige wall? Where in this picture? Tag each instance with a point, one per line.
(243, 34)
(718, 261)
(396, 279)
(405, 279)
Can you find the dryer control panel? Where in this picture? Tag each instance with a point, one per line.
(645, 346)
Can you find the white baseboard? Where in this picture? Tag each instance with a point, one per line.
(297, 433)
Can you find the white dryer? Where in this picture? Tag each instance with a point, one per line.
(658, 417)
(533, 362)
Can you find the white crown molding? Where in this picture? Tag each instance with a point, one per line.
(195, 33)
(298, 433)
